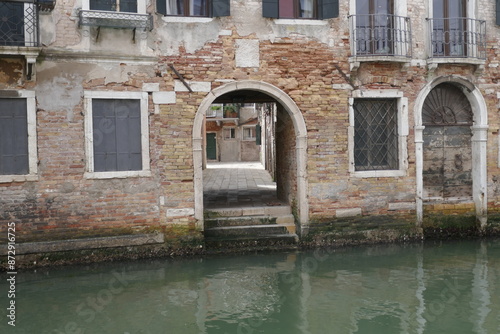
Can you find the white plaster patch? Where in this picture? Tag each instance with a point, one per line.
(180, 212)
(196, 86)
(342, 213)
(225, 32)
(402, 206)
(247, 53)
(342, 86)
(164, 98)
(150, 87)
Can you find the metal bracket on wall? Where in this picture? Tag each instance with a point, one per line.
(180, 78)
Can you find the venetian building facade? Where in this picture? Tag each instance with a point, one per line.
(384, 108)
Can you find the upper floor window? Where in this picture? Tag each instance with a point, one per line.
(374, 23)
(129, 6)
(300, 9)
(193, 8)
(454, 30)
(18, 24)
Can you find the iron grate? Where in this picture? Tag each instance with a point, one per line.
(375, 134)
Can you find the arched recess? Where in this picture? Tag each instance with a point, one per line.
(300, 134)
(479, 130)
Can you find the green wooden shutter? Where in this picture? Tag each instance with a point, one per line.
(221, 8)
(161, 6)
(328, 9)
(258, 134)
(270, 8)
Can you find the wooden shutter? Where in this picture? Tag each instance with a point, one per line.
(117, 135)
(270, 8)
(13, 137)
(161, 6)
(328, 9)
(221, 8)
(498, 11)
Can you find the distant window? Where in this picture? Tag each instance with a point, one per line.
(129, 6)
(229, 133)
(249, 133)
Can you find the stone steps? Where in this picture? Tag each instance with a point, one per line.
(250, 227)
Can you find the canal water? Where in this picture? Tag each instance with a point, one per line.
(451, 287)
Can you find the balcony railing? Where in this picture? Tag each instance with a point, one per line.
(375, 35)
(109, 19)
(458, 37)
(19, 23)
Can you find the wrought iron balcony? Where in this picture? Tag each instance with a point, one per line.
(111, 19)
(458, 37)
(379, 35)
(19, 23)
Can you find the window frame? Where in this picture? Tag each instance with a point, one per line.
(249, 127)
(324, 9)
(32, 136)
(141, 7)
(402, 133)
(229, 128)
(89, 136)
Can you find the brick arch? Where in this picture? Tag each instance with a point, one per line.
(300, 136)
(479, 141)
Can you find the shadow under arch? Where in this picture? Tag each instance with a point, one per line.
(300, 139)
(478, 141)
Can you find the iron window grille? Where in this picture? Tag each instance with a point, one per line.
(19, 24)
(375, 134)
(380, 35)
(457, 37)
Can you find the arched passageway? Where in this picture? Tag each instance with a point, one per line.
(290, 146)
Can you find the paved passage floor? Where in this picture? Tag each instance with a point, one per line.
(238, 184)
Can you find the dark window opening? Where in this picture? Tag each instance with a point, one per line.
(375, 134)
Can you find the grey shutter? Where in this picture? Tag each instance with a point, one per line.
(221, 8)
(270, 8)
(328, 9)
(13, 137)
(161, 6)
(498, 11)
(117, 135)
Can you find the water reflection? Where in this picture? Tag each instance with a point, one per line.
(443, 288)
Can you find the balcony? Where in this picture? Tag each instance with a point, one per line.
(457, 40)
(379, 37)
(111, 19)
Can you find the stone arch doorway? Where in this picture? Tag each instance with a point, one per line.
(447, 159)
(450, 142)
(298, 186)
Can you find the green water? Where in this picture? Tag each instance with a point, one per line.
(432, 288)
